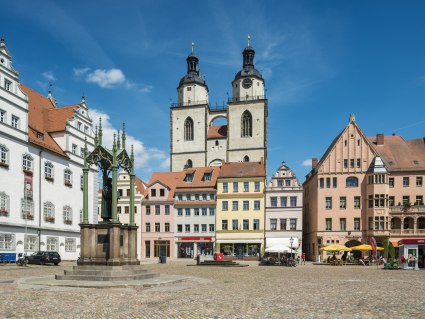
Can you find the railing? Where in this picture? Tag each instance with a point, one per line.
(191, 103)
(248, 98)
(407, 231)
(217, 108)
(407, 209)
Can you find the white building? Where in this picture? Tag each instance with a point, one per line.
(41, 161)
(196, 141)
(284, 202)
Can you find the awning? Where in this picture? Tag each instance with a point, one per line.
(270, 242)
(239, 241)
(394, 243)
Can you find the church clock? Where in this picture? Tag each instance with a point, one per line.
(246, 83)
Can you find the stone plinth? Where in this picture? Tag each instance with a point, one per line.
(106, 273)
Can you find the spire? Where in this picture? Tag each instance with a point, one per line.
(352, 118)
(248, 54)
(192, 61)
(100, 131)
(193, 47)
(249, 39)
(96, 141)
(123, 136)
(132, 159)
(114, 143)
(118, 140)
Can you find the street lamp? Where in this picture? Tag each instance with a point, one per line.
(291, 241)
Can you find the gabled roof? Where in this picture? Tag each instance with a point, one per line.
(399, 154)
(242, 169)
(45, 118)
(169, 179)
(140, 185)
(215, 132)
(198, 181)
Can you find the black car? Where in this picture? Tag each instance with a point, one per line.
(45, 257)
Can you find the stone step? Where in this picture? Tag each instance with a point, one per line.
(101, 267)
(100, 272)
(107, 278)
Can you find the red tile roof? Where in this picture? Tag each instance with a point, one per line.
(242, 169)
(198, 182)
(169, 179)
(215, 132)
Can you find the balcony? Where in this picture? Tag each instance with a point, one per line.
(411, 232)
(191, 103)
(403, 209)
(248, 98)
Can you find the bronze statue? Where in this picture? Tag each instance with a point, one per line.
(106, 198)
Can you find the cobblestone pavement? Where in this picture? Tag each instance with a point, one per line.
(215, 292)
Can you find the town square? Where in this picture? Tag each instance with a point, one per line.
(212, 159)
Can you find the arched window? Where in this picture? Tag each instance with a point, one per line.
(52, 244)
(27, 162)
(49, 212)
(4, 155)
(246, 125)
(67, 215)
(4, 204)
(48, 170)
(246, 158)
(352, 181)
(188, 164)
(67, 177)
(188, 129)
(216, 143)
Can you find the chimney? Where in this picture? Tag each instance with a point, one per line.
(379, 139)
(313, 162)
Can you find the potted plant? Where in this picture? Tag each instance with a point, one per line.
(27, 172)
(50, 219)
(50, 178)
(4, 212)
(67, 221)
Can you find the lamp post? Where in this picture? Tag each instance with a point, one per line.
(291, 241)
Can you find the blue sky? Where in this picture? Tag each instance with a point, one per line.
(321, 61)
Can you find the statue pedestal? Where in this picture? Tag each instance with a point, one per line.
(108, 244)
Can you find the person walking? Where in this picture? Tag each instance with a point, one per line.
(303, 258)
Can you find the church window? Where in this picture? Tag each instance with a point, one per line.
(246, 124)
(216, 143)
(189, 164)
(188, 129)
(189, 88)
(352, 181)
(246, 158)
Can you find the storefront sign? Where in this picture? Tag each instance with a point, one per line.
(195, 238)
(412, 241)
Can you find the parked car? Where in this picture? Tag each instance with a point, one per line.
(45, 257)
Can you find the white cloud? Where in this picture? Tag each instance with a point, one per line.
(106, 78)
(80, 71)
(49, 76)
(146, 89)
(145, 158)
(306, 162)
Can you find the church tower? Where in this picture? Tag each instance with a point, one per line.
(247, 113)
(188, 129)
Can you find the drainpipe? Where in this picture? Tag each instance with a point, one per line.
(39, 200)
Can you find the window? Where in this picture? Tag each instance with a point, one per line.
(419, 181)
(48, 170)
(334, 182)
(352, 181)
(273, 201)
(356, 223)
(224, 205)
(211, 228)
(256, 186)
(207, 177)
(279, 183)
(188, 129)
(351, 163)
(74, 149)
(82, 151)
(30, 243)
(419, 200)
(27, 208)
(7, 84)
(246, 158)
(148, 210)
(212, 196)
(391, 182)
(328, 182)
(282, 223)
(7, 241)
(157, 227)
(67, 215)
(70, 244)
(293, 223)
(406, 200)
(52, 244)
(342, 224)
(321, 182)
(153, 192)
(328, 202)
(4, 154)
(273, 224)
(356, 202)
(343, 202)
(235, 205)
(188, 197)
(49, 212)
(345, 163)
(2, 116)
(196, 228)
(167, 209)
(187, 228)
(180, 197)
(79, 125)
(188, 164)
(370, 223)
(120, 193)
(225, 187)
(40, 136)
(245, 205)
(67, 177)
(212, 211)
(162, 192)
(189, 178)
(204, 228)
(27, 163)
(405, 181)
(234, 224)
(235, 187)
(256, 205)
(148, 227)
(224, 224)
(246, 186)
(246, 125)
(15, 121)
(4, 204)
(256, 224)
(358, 163)
(293, 201)
(179, 228)
(196, 212)
(187, 211)
(391, 201)
(287, 182)
(284, 201)
(86, 129)
(328, 223)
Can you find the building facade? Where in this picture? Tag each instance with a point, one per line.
(284, 198)
(195, 207)
(41, 148)
(194, 139)
(240, 221)
(365, 187)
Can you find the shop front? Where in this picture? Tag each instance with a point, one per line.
(189, 247)
(412, 249)
(249, 250)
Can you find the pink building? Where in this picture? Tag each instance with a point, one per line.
(158, 215)
(365, 187)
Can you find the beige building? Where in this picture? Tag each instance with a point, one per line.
(196, 141)
(365, 187)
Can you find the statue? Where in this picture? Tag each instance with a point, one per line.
(106, 198)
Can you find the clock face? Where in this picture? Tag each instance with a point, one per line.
(246, 83)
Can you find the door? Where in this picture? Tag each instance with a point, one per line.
(412, 255)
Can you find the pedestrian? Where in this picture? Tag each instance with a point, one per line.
(303, 258)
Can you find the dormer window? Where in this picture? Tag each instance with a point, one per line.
(188, 178)
(153, 192)
(40, 136)
(207, 177)
(162, 192)
(7, 84)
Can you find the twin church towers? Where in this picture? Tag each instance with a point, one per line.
(195, 140)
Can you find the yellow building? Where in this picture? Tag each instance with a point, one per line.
(240, 218)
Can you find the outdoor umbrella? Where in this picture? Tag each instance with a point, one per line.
(365, 247)
(279, 248)
(335, 247)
